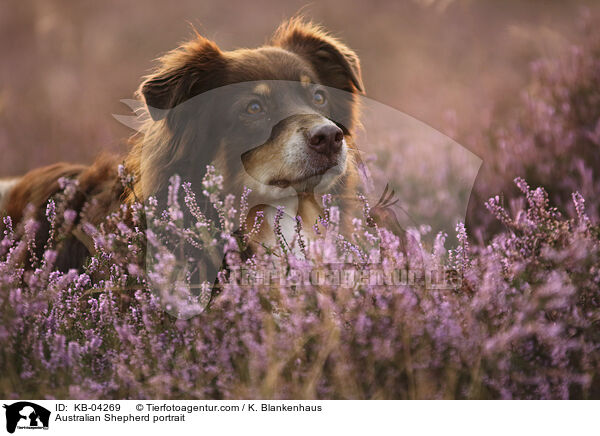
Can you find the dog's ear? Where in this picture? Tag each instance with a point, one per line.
(189, 70)
(335, 63)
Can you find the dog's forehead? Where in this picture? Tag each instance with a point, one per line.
(276, 89)
(268, 63)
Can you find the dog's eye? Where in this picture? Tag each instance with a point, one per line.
(254, 107)
(319, 98)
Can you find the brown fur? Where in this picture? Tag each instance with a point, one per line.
(298, 52)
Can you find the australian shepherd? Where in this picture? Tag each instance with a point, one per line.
(278, 119)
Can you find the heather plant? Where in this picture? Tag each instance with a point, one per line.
(520, 323)
(552, 140)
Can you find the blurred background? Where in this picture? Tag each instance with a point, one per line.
(456, 65)
(66, 64)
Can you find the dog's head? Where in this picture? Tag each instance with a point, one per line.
(271, 118)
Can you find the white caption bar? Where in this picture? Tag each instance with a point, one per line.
(291, 417)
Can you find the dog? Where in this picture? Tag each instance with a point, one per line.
(278, 119)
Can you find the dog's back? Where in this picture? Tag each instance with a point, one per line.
(98, 191)
(6, 186)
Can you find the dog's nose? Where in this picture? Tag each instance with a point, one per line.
(326, 139)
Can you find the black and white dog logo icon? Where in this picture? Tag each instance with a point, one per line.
(26, 415)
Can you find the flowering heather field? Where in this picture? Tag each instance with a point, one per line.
(519, 319)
